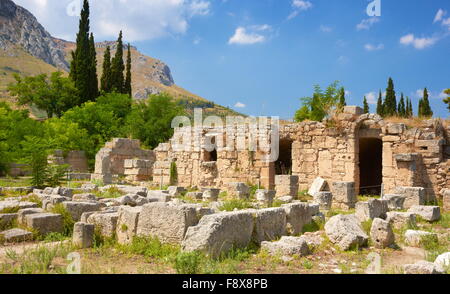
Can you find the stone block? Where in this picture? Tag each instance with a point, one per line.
(413, 196)
(76, 209)
(414, 238)
(324, 199)
(106, 222)
(127, 224)
(265, 197)
(287, 246)
(270, 224)
(16, 236)
(45, 223)
(428, 213)
(83, 235)
(400, 220)
(382, 234)
(344, 195)
(319, 185)
(346, 232)
(24, 212)
(210, 194)
(395, 202)
(371, 209)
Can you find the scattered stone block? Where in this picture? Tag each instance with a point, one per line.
(21, 214)
(84, 197)
(324, 199)
(106, 222)
(382, 234)
(286, 185)
(87, 188)
(195, 195)
(346, 232)
(443, 261)
(297, 216)
(287, 246)
(428, 213)
(415, 238)
(83, 235)
(7, 219)
(76, 209)
(270, 224)
(265, 197)
(344, 195)
(211, 194)
(421, 268)
(127, 223)
(176, 191)
(446, 199)
(286, 199)
(395, 202)
(400, 220)
(45, 223)
(239, 190)
(413, 196)
(167, 222)
(317, 186)
(16, 236)
(217, 233)
(371, 209)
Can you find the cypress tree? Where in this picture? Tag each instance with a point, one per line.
(425, 110)
(390, 103)
(408, 108)
(366, 105)
(380, 106)
(117, 68)
(81, 65)
(402, 107)
(342, 102)
(93, 78)
(106, 75)
(447, 100)
(127, 86)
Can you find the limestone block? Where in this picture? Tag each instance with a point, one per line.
(217, 234)
(446, 199)
(287, 246)
(395, 202)
(297, 216)
(106, 222)
(76, 209)
(428, 213)
(421, 268)
(371, 209)
(45, 223)
(318, 185)
(24, 212)
(344, 194)
(270, 224)
(83, 235)
(324, 199)
(415, 238)
(400, 220)
(265, 197)
(127, 224)
(413, 195)
(167, 222)
(210, 194)
(382, 234)
(346, 232)
(16, 235)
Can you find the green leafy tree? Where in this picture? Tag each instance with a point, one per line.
(54, 95)
(117, 67)
(390, 102)
(4, 160)
(83, 60)
(380, 106)
(342, 101)
(320, 105)
(402, 107)
(151, 121)
(106, 75)
(366, 105)
(127, 86)
(119, 104)
(447, 100)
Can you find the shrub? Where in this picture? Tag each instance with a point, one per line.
(188, 263)
(233, 204)
(68, 221)
(173, 174)
(150, 247)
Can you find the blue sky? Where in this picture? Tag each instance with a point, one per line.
(260, 56)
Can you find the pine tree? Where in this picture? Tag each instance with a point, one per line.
(81, 69)
(402, 107)
(380, 106)
(390, 102)
(117, 68)
(342, 102)
(127, 86)
(366, 105)
(424, 107)
(409, 110)
(447, 100)
(106, 75)
(93, 78)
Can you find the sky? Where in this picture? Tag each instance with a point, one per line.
(260, 57)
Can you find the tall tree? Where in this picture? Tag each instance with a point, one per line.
(127, 86)
(447, 100)
(342, 102)
(81, 69)
(93, 78)
(409, 110)
(380, 106)
(402, 107)
(366, 105)
(424, 105)
(117, 67)
(106, 75)
(390, 102)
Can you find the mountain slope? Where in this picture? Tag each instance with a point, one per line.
(28, 49)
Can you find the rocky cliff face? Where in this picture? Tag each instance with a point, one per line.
(19, 27)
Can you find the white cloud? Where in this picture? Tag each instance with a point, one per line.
(299, 6)
(326, 29)
(431, 94)
(418, 43)
(367, 23)
(372, 98)
(343, 60)
(439, 15)
(240, 105)
(370, 47)
(139, 19)
(250, 35)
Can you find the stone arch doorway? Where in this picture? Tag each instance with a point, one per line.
(370, 166)
(283, 166)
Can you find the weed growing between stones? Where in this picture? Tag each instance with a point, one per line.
(68, 222)
(239, 204)
(14, 209)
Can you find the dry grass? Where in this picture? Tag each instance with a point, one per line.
(413, 122)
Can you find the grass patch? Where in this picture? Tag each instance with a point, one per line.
(112, 192)
(150, 248)
(314, 226)
(303, 196)
(367, 225)
(68, 221)
(188, 263)
(15, 182)
(33, 198)
(239, 204)
(444, 221)
(13, 209)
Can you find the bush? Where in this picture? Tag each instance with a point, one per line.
(233, 204)
(150, 247)
(68, 221)
(188, 263)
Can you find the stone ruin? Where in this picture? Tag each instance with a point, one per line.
(377, 157)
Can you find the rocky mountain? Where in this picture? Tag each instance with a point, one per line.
(27, 48)
(19, 27)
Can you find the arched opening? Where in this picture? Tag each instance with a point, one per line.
(370, 166)
(283, 166)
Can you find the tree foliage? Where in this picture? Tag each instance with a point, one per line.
(366, 105)
(106, 74)
(127, 86)
(390, 102)
(424, 105)
(447, 100)
(117, 67)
